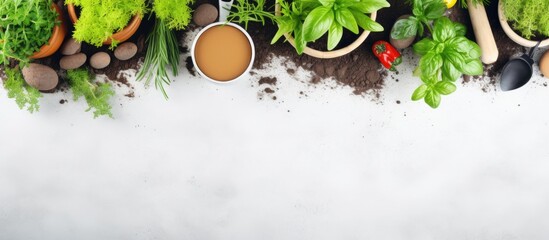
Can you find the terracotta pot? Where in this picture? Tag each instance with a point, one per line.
(56, 39)
(515, 36)
(330, 54)
(120, 36)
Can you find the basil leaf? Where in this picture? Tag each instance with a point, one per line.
(443, 30)
(285, 25)
(420, 92)
(404, 28)
(334, 35)
(317, 23)
(459, 29)
(346, 19)
(469, 49)
(369, 6)
(473, 67)
(327, 3)
(365, 22)
(424, 46)
(445, 87)
(430, 64)
(449, 72)
(299, 42)
(434, 10)
(455, 58)
(432, 98)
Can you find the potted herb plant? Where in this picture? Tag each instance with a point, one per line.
(163, 48)
(105, 22)
(29, 29)
(305, 21)
(529, 20)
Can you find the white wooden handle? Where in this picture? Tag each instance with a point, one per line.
(483, 33)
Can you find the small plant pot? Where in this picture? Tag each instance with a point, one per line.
(120, 36)
(515, 36)
(56, 39)
(330, 54)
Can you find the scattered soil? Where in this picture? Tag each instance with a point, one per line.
(63, 101)
(267, 80)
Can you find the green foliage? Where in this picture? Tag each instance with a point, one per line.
(100, 19)
(291, 22)
(25, 96)
(331, 16)
(162, 53)
(25, 26)
(309, 20)
(244, 12)
(424, 12)
(97, 95)
(176, 14)
(444, 58)
(529, 17)
(163, 48)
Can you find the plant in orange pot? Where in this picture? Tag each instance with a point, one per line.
(29, 29)
(105, 22)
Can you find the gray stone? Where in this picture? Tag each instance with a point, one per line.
(125, 51)
(100, 60)
(71, 47)
(73, 62)
(40, 76)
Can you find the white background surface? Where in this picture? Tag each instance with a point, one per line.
(215, 162)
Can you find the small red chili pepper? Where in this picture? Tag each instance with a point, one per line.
(387, 54)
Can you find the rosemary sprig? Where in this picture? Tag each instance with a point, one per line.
(162, 53)
(245, 11)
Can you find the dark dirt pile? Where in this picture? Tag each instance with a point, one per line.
(360, 69)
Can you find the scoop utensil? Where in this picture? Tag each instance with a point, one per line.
(225, 9)
(518, 71)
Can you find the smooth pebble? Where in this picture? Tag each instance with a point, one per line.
(125, 51)
(71, 47)
(40, 76)
(100, 60)
(73, 62)
(205, 14)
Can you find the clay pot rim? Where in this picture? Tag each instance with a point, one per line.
(513, 35)
(121, 35)
(56, 39)
(334, 53)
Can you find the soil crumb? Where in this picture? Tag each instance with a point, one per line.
(267, 80)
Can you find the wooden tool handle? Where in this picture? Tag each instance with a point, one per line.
(483, 32)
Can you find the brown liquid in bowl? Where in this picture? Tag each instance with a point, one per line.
(223, 53)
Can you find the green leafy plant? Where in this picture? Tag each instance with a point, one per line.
(100, 19)
(97, 95)
(245, 12)
(424, 13)
(309, 20)
(444, 58)
(25, 26)
(163, 48)
(529, 17)
(332, 16)
(25, 96)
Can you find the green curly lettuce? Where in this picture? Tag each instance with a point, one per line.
(97, 95)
